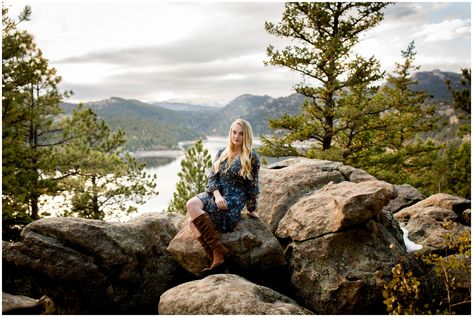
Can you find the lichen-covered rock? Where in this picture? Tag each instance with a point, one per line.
(284, 183)
(256, 253)
(226, 294)
(344, 272)
(92, 266)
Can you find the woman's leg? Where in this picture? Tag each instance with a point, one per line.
(194, 210)
(205, 232)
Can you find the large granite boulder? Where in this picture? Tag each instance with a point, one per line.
(284, 183)
(432, 221)
(340, 252)
(334, 208)
(226, 294)
(92, 266)
(256, 253)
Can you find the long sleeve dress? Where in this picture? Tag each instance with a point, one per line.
(236, 190)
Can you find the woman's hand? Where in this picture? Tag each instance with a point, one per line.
(220, 201)
(253, 214)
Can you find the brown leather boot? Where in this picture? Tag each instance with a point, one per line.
(208, 250)
(211, 237)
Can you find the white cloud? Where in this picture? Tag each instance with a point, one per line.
(433, 61)
(444, 31)
(149, 49)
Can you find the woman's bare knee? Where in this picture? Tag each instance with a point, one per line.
(194, 207)
(194, 203)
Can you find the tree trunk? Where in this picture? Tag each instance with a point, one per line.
(34, 206)
(327, 138)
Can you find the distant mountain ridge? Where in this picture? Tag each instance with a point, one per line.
(434, 83)
(164, 124)
(255, 109)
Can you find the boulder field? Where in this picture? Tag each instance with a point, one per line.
(327, 239)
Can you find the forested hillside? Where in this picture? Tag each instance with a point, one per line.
(163, 124)
(151, 126)
(147, 126)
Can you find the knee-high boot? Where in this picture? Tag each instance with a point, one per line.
(208, 250)
(211, 237)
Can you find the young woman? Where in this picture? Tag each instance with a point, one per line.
(233, 183)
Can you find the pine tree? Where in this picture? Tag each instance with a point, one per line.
(453, 165)
(462, 97)
(325, 33)
(45, 152)
(453, 169)
(192, 177)
(31, 129)
(401, 155)
(107, 179)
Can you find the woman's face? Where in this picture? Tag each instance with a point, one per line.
(237, 135)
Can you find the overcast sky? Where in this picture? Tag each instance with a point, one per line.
(213, 51)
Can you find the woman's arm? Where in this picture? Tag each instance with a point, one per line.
(214, 177)
(212, 185)
(220, 201)
(253, 186)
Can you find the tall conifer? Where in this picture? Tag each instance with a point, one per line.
(324, 34)
(107, 181)
(46, 152)
(31, 129)
(402, 154)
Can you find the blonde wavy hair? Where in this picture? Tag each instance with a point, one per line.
(245, 155)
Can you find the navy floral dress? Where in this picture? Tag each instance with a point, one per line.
(236, 190)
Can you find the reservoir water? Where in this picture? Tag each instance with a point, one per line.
(165, 165)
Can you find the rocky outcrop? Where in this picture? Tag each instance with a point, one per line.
(91, 266)
(256, 253)
(284, 183)
(432, 221)
(441, 223)
(226, 294)
(339, 250)
(327, 239)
